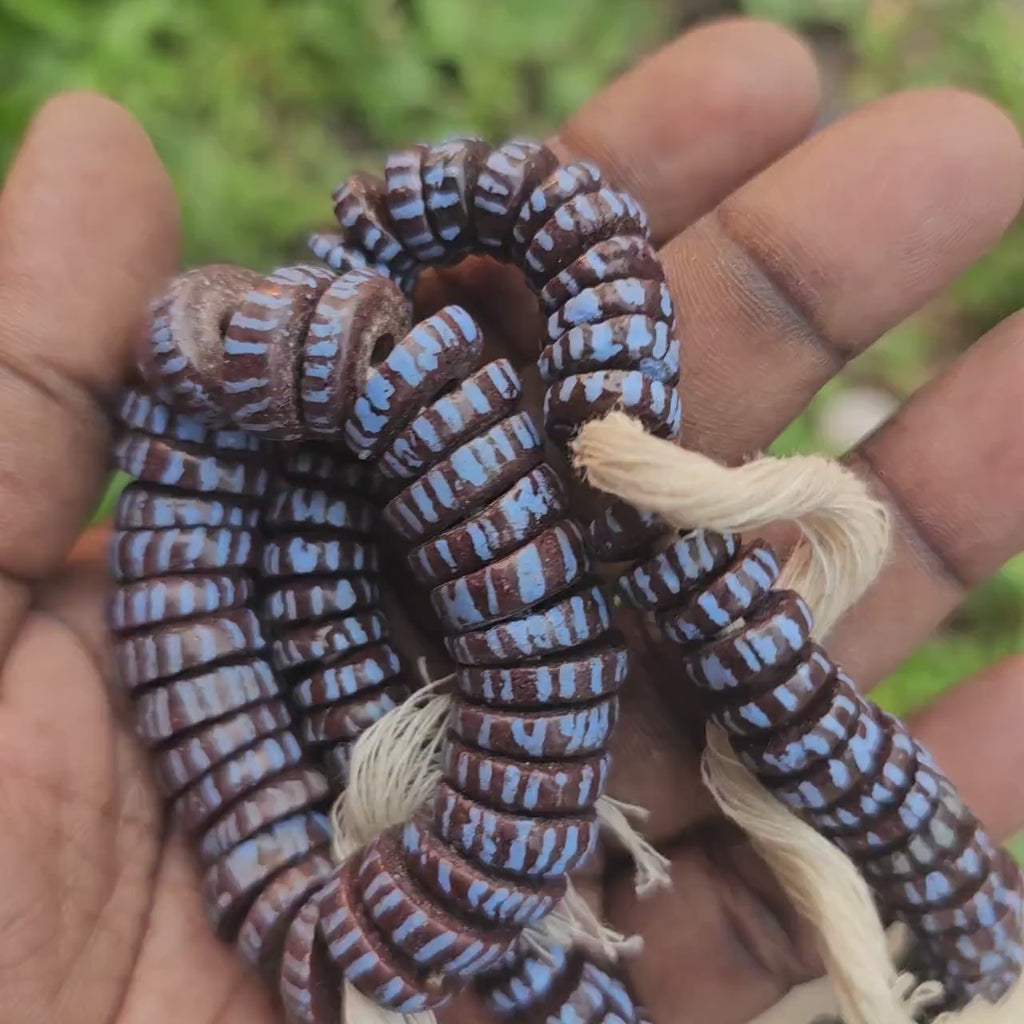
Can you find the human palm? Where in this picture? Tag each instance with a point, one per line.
(786, 257)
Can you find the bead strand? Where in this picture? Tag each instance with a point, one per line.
(849, 769)
(191, 653)
(583, 248)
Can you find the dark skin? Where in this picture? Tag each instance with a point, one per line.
(786, 257)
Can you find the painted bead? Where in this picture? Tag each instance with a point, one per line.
(261, 935)
(632, 341)
(334, 248)
(611, 259)
(611, 300)
(449, 174)
(357, 313)
(487, 396)
(182, 354)
(569, 622)
(309, 643)
(141, 507)
(194, 755)
(360, 205)
(590, 675)
(502, 841)
(161, 652)
(559, 187)
(308, 984)
(360, 952)
(575, 226)
(502, 901)
(406, 207)
(536, 735)
(149, 601)
(154, 461)
(263, 351)
(445, 347)
(531, 503)
(236, 778)
(139, 411)
(725, 598)
(622, 533)
(471, 475)
(673, 573)
(512, 171)
(420, 927)
(581, 397)
(143, 554)
(230, 884)
(366, 669)
(562, 787)
(185, 704)
(295, 790)
(349, 720)
(538, 571)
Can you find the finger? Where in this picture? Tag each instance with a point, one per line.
(974, 732)
(950, 464)
(801, 269)
(698, 118)
(723, 943)
(88, 229)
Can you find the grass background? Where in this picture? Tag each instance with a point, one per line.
(259, 106)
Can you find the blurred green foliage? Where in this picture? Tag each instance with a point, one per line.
(259, 106)
(894, 44)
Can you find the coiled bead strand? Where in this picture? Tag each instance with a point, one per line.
(192, 654)
(583, 247)
(848, 768)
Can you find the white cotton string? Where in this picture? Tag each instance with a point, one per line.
(826, 888)
(573, 923)
(844, 531)
(651, 867)
(393, 770)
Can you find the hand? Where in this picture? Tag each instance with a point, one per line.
(787, 258)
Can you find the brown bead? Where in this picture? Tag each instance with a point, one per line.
(501, 900)
(573, 731)
(577, 225)
(357, 949)
(185, 704)
(611, 259)
(236, 778)
(569, 622)
(471, 475)
(541, 569)
(580, 676)
(505, 842)
(142, 554)
(358, 313)
(310, 987)
(182, 354)
(142, 508)
(167, 599)
(263, 347)
(559, 187)
(304, 644)
(350, 719)
(164, 651)
(190, 757)
(231, 883)
(534, 501)
(449, 174)
(417, 924)
(512, 171)
(261, 935)
(526, 787)
(487, 396)
(154, 461)
(360, 204)
(438, 351)
(663, 580)
(297, 789)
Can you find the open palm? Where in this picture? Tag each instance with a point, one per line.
(787, 258)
